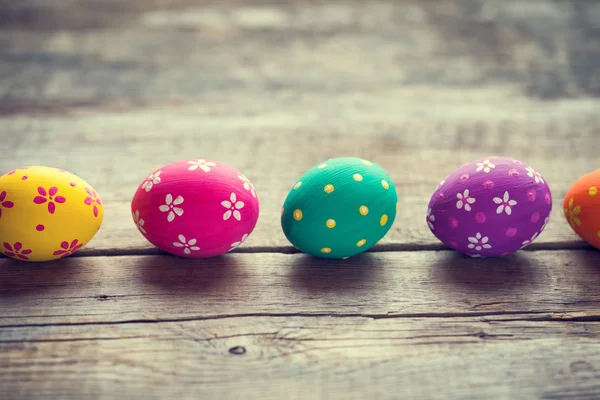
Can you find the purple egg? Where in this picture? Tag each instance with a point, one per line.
(490, 207)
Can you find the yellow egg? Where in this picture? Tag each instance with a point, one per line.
(46, 213)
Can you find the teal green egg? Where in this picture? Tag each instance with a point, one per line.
(339, 208)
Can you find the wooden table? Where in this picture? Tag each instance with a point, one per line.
(111, 89)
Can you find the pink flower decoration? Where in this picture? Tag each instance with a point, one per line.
(49, 197)
(5, 204)
(92, 199)
(16, 250)
(68, 249)
(15, 170)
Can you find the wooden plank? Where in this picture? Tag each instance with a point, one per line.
(107, 101)
(550, 285)
(116, 152)
(110, 90)
(544, 49)
(305, 358)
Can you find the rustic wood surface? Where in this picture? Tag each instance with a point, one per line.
(92, 290)
(306, 357)
(111, 90)
(273, 326)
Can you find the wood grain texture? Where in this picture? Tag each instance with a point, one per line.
(273, 88)
(549, 285)
(429, 325)
(111, 90)
(306, 358)
(116, 152)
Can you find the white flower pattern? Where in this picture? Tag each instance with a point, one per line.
(138, 221)
(233, 206)
(505, 204)
(478, 242)
(546, 221)
(202, 164)
(170, 207)
(238, 244)
(247, 185)
(153, 179)
(528, 242)
(188, 245)
(485, 166)
(430, 219)
(532, 173)
(464, 200)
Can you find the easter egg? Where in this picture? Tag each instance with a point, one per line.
(339, 208)
(46, 213)
(582, 208)
(490, 207)
(195, 208)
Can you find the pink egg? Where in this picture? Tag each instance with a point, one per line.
(195, 208)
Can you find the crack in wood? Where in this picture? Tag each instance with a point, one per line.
(92, 339)
(538, 316)
(274, 336)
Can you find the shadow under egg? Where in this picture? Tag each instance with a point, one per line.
(190, 275)
(20, 278)
(508, 274)
(314, 274)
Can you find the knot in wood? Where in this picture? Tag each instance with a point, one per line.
(237, 350)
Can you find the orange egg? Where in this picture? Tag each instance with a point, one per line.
(582, 208)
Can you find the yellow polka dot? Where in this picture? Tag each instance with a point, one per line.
(326, 250)
(328, 188)
(385, 184)
(330, 223)
(593, 191)
(298, 215)
(297, 185)
(322, 166)
(357, 177)
(598, 234)
(364, 210)
(383, 220)
(367, 163)
(361, 242)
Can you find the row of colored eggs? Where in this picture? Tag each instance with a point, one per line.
(337, 209)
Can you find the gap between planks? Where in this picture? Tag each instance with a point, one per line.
(531, 316)
(390, 247)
